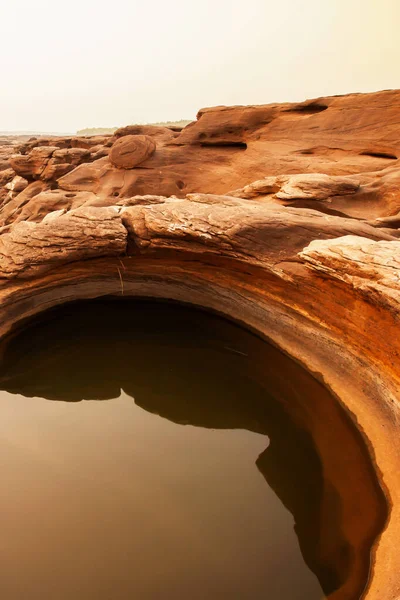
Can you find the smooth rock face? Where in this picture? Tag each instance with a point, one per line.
(131, 150)
(284, 217)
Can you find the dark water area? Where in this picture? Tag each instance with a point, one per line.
(145, 453)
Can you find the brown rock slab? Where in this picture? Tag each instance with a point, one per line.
(372, 267)
(310, 186)
(30, 248)
(316, 186)
(32, 165)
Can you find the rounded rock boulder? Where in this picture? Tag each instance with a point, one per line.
(131, 150)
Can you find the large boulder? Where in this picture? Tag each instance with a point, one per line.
(130, 151)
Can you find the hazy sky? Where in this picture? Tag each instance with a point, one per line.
(83, 63)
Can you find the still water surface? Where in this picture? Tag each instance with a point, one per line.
(154, 492)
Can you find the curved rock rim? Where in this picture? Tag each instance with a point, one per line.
(249, 296)
(304, 233)
(294, 410)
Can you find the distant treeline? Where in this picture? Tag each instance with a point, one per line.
(96, 131)
(110, 130)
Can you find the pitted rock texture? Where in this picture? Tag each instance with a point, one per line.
(284, 217)
(353, 139)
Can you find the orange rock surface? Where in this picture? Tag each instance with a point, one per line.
(283, 217)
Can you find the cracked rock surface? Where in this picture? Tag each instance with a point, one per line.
(284, 217)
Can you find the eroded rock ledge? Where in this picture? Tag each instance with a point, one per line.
(283, 217)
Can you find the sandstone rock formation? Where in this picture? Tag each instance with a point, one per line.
(131, 150)
(283, 217)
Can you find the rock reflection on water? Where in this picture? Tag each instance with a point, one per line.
(111, 501)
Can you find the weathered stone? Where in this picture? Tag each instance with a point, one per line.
(33, 164)
(31, 248)
(62, 161)
(6, 176)
(247, 231)
(370, 267)
(320, 277)
(316, 186)
(18, 184)
(131, 150)
(262, 187)
(312, 186)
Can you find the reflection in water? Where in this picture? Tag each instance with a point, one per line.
(109, 501)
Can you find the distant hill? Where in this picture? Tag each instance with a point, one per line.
(110, 130)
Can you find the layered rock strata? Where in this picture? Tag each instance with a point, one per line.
(284, 218)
